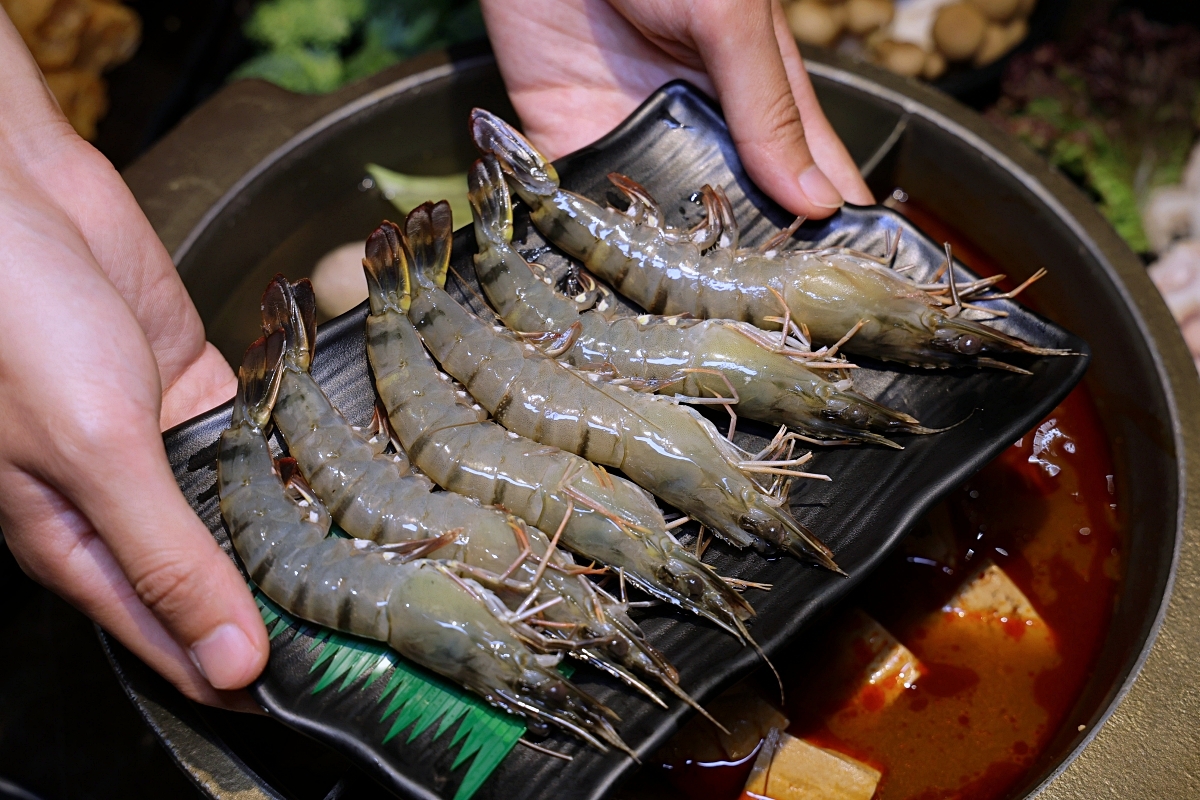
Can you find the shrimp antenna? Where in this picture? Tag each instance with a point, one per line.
(894, 249)
(950, 277)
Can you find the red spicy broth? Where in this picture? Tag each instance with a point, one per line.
(991, 696)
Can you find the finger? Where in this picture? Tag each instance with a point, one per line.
(207, 383)
(171, 560)
(88, 188)
(823, 142)
(88, 393)
(738, 45)
(55, 545)
(601, 67)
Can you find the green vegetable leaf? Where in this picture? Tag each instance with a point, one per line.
(298, 69)
(284, 24)
(406, 192)
(422, 699)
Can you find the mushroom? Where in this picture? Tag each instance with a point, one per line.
(865, 16)
(959, 31)
(813, 22)
(338, 279)
(903, 58)
(999, 39)
(935, 66)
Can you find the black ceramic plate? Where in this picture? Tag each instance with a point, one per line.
(673, 144)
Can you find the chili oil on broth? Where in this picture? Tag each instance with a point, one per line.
(994, 689)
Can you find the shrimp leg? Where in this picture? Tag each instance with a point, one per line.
(698, 358)
(357, 587)
(612, 521)
(828, 290)
(667, 449)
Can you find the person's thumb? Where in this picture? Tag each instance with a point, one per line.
(741, 54)
(172, 562)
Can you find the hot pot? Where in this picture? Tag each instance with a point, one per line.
(259, 180)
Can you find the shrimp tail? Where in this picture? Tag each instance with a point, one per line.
(258, 380)
(491, 202)
(386, 267)
(428, 232)
(519, 159)
(292, 308)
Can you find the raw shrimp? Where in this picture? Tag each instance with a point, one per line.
(424, 611)
(830, 291)
(700, 358)
(371, 497)
(666, 448)
(608, 519)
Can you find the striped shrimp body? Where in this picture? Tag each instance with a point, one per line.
(667, 449)
(697, 358)
(448, 624)
(371, 497)
(608, 519)
(668, 272)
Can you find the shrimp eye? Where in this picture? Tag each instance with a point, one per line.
(695, 586)
(855, 415)
(556, 691)
(968, 344)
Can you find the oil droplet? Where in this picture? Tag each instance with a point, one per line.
(1085, 531)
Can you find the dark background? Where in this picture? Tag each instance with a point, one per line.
(66, 728)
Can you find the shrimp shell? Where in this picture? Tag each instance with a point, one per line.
(359, 588)
(696, 358)
(829, 290)
(371, 498)
(609, 519)
(666, 448)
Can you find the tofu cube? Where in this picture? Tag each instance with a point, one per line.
(991, 592)
(788, 768)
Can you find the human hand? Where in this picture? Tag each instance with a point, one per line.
(575, 68)
(100, 349)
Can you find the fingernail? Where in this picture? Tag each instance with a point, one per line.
(818, 189)
(225, 657)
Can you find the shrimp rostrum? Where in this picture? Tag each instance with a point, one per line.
(705, 273)
(442, 621)
(668, 449)
(602, 517)
(715, 361)
(373, 496)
